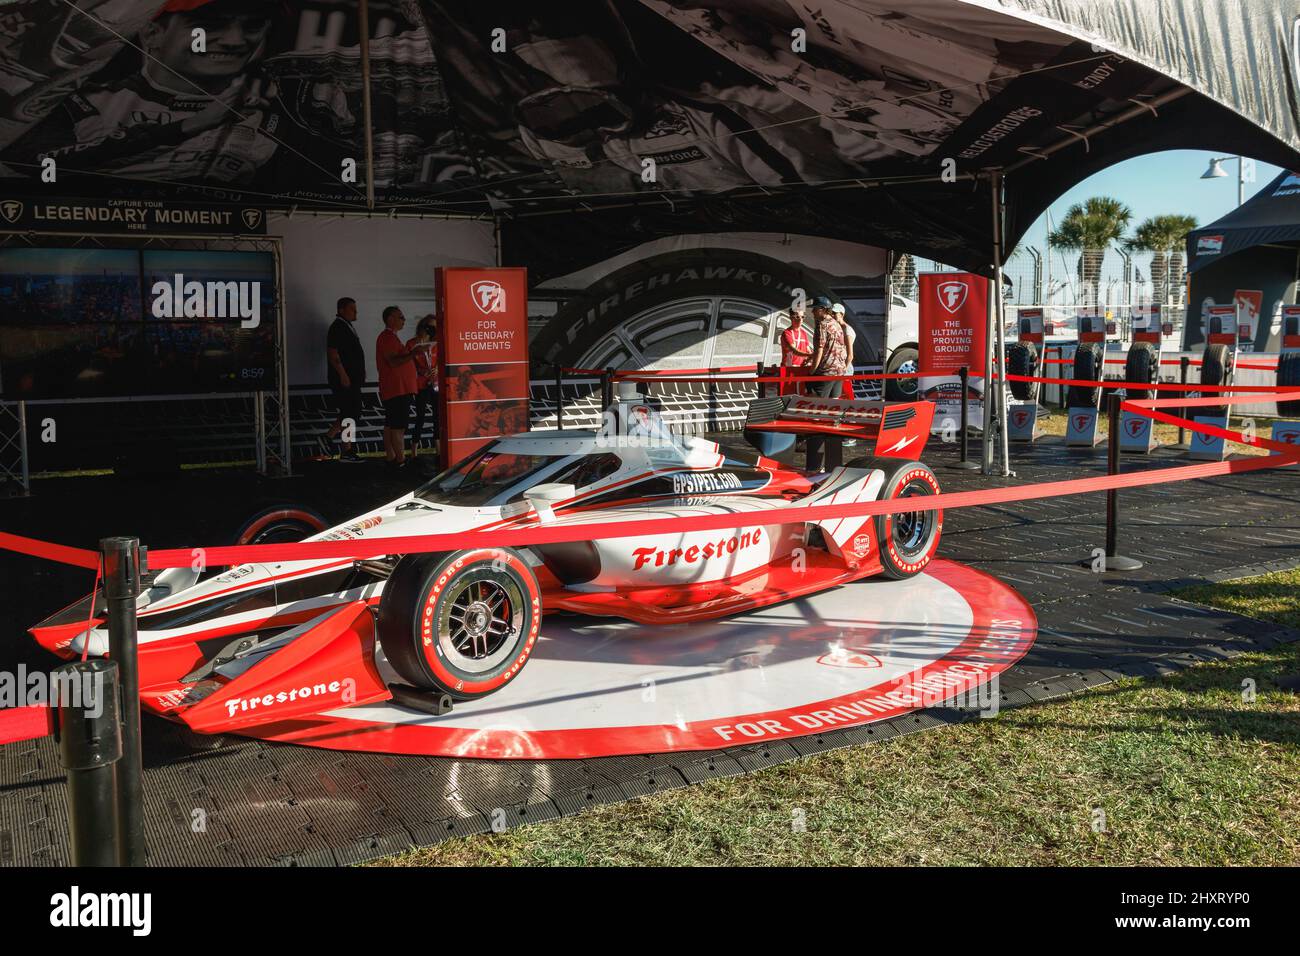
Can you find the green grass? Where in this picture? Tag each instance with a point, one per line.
(1186, 770)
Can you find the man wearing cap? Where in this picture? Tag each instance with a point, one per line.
(830, 357)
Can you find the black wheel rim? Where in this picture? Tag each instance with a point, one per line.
(911, 530)
(482, 620)
(282, 532)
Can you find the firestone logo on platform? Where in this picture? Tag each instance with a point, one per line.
(488, 296)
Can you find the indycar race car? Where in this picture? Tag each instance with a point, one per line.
(260, 645)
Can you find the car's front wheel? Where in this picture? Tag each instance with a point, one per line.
(463, 623)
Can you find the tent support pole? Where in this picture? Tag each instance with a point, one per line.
(363, 12)
(996, 347)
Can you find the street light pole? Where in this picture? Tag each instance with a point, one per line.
(1215, 171)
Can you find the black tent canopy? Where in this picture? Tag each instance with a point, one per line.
(589, 126)
(1270, 217)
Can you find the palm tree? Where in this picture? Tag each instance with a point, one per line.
(1164, 237)
(1089, 228)
(904, 276)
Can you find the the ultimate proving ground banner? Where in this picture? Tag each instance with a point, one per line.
(484, 106)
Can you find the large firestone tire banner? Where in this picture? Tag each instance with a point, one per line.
(954, 309)
(483, 344)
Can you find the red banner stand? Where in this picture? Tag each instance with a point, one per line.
(483, 365)
(953, 326)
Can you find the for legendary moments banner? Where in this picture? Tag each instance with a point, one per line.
(483, 329)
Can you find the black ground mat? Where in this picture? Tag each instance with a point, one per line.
(228, 801)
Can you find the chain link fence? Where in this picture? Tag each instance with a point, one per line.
(1067, 283)
(1102, 279)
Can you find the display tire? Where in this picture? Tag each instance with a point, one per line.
(427, 595)
(1142, 365)
(1022, 359)
(907, 541)
(1216, 369)
(1288, 377)
(280, 524)
(902, 361)
(607, 306)
(1088, 359)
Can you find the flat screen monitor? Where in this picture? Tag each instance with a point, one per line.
(111, 323)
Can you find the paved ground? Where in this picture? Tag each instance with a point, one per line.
(269, 803)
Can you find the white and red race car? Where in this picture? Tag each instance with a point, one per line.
(279, 645)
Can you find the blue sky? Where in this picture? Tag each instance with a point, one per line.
(1160, 183)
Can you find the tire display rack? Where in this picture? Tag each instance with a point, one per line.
(277, 804)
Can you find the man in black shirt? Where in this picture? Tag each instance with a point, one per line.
(347, 374)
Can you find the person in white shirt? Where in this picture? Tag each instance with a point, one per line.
(850, 336)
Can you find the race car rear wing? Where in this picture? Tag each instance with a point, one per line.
(892, 429)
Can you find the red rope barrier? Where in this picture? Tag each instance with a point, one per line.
(1285, 456)
(1147, 386)
(77, 557)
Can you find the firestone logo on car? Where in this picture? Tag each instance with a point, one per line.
(488, 296)
(237, 704)
(705, 552)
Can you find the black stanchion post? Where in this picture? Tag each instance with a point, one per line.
(1184, 363)
(1114, 560)
(1062, 391)
(606, 389)
(121, 558)
(559, 397)
(965, 464)
(762, 386)
(90, 746)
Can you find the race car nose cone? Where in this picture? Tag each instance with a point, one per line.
(98, 642)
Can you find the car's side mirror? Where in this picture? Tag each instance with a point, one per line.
(544, 498)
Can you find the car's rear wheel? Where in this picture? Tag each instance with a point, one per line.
(463, 623)
(908, 539)
(280, 524)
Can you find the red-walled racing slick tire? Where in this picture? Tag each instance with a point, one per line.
(909, 539)
(280, 524)
(463, 623)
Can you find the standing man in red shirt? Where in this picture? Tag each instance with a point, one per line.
(398, 382)
(796, 347)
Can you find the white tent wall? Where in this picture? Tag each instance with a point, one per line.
(379, 262)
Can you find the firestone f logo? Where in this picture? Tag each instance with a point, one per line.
(488, 296)
(952, 295)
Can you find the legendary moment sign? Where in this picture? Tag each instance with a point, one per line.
(135, 216)
(954, 313)
(483, 356)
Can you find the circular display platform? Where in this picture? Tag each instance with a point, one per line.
(597, 687)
